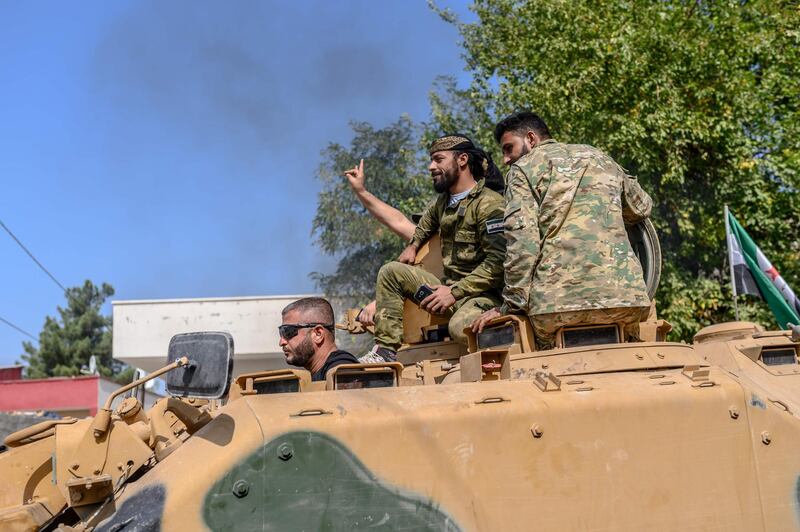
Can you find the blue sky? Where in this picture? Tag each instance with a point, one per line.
(169, 148)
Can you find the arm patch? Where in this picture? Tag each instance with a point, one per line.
(495, 225)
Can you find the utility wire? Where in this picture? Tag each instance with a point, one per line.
(45, 270)
(23, 331)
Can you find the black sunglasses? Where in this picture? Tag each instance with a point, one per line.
(290, 330)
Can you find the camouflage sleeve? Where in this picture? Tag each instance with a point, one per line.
(521, 224)
(488, 274)
(636, 203)
(428, 225)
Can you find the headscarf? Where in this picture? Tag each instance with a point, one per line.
(491, 174)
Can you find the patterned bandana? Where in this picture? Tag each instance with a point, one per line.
(451, 142)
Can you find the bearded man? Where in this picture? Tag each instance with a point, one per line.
(468, 216)
(569, 261)
(307, 337)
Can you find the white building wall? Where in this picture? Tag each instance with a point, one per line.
(143, 329)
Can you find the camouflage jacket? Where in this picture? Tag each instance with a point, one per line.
(473, 247)
(567, 248)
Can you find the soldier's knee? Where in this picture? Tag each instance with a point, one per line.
(387, 269)
(390, 270)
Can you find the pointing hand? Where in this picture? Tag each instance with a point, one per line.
(355, 176)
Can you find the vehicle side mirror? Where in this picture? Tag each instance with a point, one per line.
(208, 374)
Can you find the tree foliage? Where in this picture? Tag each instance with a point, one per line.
(79, 332)
(343, 227)
(699, 99)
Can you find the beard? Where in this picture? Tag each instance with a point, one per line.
(525, 151)
(300, 355)
(442, 182)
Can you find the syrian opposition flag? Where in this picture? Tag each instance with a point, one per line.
(752, 273)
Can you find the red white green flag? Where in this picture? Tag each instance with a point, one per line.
(752, 273)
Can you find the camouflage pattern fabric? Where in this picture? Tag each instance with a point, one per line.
(398, 281)
(546, 325)
(473, 250)
(473, 246)
(567, 249)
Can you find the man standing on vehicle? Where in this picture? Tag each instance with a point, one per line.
(307, 337)
(468, 217)
(568, 259)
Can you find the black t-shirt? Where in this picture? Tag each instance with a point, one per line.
(334, 359)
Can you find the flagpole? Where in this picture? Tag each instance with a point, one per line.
(730, 261)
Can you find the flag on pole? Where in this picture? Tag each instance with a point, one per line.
(752, 273)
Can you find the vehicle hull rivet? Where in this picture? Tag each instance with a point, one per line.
(537, 431)
(241, 488)
(734, 412)
(285, 451)
(766, 439)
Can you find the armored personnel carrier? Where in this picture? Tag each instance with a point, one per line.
(595, 434)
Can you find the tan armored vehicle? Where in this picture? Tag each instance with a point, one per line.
(593, 435)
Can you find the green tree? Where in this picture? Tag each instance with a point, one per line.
(699, 99)
(343, 228)
(80, 331)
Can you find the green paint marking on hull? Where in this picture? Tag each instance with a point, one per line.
(309, 481)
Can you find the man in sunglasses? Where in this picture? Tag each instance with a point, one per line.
(307, 337)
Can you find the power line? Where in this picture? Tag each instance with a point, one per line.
(45, 270)
(23, 331)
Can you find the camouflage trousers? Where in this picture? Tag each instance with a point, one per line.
(398, 281)
(546, 325)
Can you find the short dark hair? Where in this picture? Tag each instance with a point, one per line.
(521, 122)
(314, 308)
